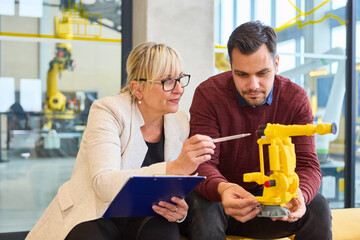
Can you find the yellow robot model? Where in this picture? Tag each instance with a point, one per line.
(281, 186)
(55, 100)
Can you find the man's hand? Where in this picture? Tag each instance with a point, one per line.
(297, 208)
(237, 202)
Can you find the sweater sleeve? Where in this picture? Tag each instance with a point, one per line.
(307, 164)
(205, 121)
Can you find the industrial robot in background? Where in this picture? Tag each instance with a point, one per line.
(281, 186)
(55, 100)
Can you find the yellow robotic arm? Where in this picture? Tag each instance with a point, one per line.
(281, 186)
(56, 101)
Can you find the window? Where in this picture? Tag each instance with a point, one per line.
(69, 46)
(311, 45)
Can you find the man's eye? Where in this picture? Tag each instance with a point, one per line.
(242, 74)
(263, 73)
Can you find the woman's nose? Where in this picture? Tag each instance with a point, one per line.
(178, 88)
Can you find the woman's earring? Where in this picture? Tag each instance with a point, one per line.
(139, 102)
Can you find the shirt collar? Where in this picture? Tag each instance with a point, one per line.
(243, 103)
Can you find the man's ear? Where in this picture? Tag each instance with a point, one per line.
(230, 61)
(277, 58)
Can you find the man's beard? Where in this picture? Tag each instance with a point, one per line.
(254, 102)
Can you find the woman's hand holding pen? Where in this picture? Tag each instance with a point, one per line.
(175, 211)
(195, 151)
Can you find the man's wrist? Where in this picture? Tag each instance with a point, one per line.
(223, 186)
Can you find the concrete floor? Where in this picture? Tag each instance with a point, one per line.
(27, 186)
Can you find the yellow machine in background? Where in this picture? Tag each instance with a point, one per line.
(281, 186)
(56, 100)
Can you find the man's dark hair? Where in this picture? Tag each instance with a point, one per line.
(248, 37)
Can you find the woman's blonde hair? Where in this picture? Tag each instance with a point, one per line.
(151, 61)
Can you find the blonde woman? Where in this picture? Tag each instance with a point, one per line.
(138, 132)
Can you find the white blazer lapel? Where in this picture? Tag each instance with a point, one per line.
(173, 137)
(136, 149)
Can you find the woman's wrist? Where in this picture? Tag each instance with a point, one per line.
(172, 168)
(182, 219)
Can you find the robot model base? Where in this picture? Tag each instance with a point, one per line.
(273, 211)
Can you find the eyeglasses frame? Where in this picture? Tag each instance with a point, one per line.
(177, 80)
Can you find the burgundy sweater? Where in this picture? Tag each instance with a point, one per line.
(216, 112)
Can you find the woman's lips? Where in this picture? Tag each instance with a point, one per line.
(176, 100)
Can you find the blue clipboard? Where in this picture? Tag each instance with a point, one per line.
(139, 193)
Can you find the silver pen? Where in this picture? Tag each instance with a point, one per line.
(222, 139)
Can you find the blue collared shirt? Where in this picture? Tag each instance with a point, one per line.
(243, 103)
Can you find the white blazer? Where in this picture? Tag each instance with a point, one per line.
(112, 148)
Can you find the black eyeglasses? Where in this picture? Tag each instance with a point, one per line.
(169, 84)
